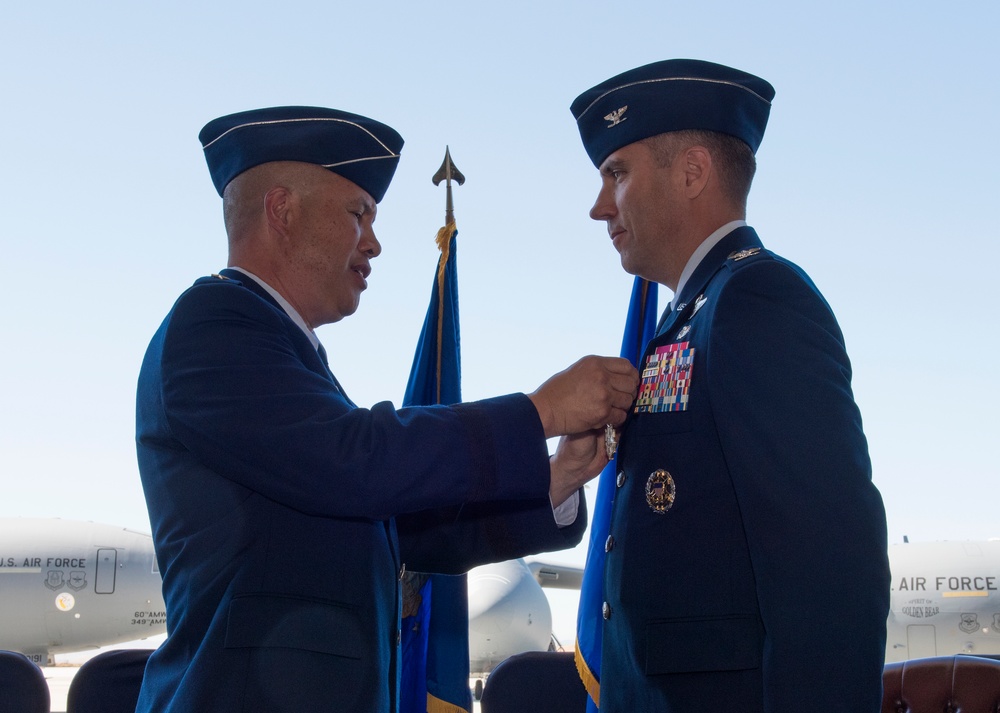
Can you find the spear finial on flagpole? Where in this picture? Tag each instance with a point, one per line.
(448, 173)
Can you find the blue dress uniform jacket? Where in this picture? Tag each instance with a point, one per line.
(763, 585)
(272, 500)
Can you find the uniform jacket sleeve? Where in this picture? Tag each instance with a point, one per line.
(453, 540)
(244, 391)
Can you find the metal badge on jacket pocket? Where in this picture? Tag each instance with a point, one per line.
(660, 491)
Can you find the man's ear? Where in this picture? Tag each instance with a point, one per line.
(279, 204)
(697, 163)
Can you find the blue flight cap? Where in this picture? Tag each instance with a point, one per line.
(360, 149)
(672, 95)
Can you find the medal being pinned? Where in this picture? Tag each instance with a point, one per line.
(610, 441)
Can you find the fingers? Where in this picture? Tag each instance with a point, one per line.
(589, 394)
(578, 459)
(612, 389)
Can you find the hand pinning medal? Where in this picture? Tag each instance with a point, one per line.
(610, 441)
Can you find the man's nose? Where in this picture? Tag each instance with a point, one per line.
(370, 245)
(604, 206)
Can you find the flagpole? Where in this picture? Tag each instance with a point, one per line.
(448, 173)
(435, 641)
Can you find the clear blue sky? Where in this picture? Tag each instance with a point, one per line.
(878, 174)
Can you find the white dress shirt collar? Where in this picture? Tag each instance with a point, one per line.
(296, 317)
(701, 251)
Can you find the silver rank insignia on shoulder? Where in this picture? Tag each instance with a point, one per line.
(616, 117)
(740, 254)
(660, 491)
(219, 277)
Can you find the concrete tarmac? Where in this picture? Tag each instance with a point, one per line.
(59, 677)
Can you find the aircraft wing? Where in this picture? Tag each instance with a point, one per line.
(556, 576)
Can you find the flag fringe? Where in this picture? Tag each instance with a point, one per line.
(436, 705)
(591, 683)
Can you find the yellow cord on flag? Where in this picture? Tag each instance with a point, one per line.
(592, 685)
(436, 705)
(443, 241)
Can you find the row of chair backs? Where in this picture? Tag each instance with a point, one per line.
(544, 681)
(107, 683)
(532, 681)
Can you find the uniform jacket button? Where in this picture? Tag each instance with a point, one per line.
(609, 543)
(606, 611)
(621, 478)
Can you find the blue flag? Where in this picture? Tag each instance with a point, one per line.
(435, 637)
(640, 325)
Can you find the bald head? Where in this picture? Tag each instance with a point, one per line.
(243, 200)
(306, 232)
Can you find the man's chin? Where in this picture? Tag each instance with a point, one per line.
(348, 311)
(628, 265)
(637, 269)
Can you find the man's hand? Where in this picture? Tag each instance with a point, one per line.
(578, 459)
(591, 393)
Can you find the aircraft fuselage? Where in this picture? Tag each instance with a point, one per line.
(70, 586)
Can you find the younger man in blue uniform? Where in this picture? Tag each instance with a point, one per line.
(283, 515)
(746, 566)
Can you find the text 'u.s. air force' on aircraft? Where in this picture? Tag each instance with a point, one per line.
(36, 562)
(68, 586)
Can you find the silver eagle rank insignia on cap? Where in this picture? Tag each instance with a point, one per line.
(617, 116)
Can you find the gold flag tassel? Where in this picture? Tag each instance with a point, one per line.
(443, 241)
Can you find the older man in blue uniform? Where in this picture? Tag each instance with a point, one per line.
(745, 565)
(283, 515)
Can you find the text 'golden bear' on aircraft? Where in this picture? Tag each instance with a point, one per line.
(945, 600)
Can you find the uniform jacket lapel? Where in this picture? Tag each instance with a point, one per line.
(742, 238)
(310, 356)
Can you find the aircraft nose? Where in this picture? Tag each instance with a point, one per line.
(489, 586)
